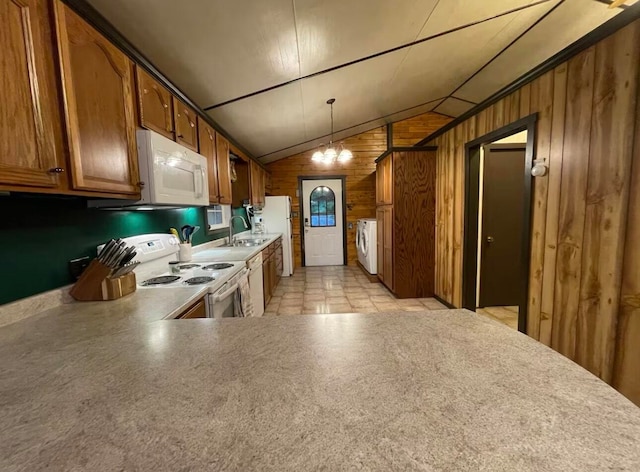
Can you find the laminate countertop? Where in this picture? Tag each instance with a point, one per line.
(445, 391)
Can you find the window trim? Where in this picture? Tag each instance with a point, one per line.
(326, 213)
(225, 210)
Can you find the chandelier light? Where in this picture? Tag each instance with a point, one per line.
(328, 154)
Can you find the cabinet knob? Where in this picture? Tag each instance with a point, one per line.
(181, 135)
(166, 106)
(193, 125)
(141, 184)
(56, 170)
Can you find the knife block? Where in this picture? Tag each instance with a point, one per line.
(95, 284)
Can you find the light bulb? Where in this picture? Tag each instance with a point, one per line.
(317, 156)
(345, 155)
(330, 155)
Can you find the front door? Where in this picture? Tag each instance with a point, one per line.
(502, 207)
(323, 228)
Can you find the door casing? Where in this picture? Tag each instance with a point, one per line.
(343, 178)
(472, 182)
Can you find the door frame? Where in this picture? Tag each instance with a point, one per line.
(472, 188)
(343, 178)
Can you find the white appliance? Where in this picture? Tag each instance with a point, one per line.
(155, 251)
(366, 239)
(255, 284)
(172, 175)
(276, 217)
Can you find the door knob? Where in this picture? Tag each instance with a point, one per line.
(490, 239)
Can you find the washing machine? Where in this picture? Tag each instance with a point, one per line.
(366, 235)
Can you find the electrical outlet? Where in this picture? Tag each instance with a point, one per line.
(77, 267)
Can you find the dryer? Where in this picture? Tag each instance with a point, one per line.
(366, 238)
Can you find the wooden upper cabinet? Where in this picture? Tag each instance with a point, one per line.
(224, 171)
(186, 124)
(207, 139)
(155, 104)
(386, 180)
(98, 86)
(257, 184)
(29, 113)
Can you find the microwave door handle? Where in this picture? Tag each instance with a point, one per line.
(198, 180)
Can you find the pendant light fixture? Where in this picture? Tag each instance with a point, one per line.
(330, 154)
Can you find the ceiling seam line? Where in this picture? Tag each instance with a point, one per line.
(440, 100)
(520, 36)
(375, 55)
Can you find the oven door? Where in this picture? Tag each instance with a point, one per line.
(221, 304)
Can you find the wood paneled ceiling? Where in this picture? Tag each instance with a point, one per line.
(264, 68)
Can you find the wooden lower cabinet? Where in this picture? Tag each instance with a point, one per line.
(271, 269)
(406, 226)
(97, 80)
(197, 310)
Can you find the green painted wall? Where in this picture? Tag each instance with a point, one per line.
(39, 235)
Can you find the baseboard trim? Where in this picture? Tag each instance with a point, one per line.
(444, 302)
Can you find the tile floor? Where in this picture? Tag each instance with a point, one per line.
(338, 289)
(504, 314)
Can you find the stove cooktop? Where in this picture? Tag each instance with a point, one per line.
(162, 280)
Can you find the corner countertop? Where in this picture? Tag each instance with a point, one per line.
(445, 390)
(226, 253)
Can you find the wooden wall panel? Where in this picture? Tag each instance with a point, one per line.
(408, 132)
(541, 99)
(612, 127)
(579, 293)
(360, 173)
(581, 70)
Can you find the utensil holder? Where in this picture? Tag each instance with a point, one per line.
(95, 284)
(185, 253)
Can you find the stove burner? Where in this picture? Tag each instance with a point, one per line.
(220, 266)
(189, 266)
(165, 279)
(199, 280)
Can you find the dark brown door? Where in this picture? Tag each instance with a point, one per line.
(502, 208)
(155, 106)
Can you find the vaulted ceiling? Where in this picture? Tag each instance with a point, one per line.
(263, 69)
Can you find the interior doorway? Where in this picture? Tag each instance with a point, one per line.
(322, 220)
(497, 223)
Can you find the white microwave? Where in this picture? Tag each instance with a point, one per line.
(171, 175)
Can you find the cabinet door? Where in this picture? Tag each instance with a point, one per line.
(387, 180)
(273, 278)
(380, 241)
(155, 105)
(257, 184)
(224, 172)
(99, 107)
(266, 282)
(207, 139)
(28, 97)
(186, 125)
(388, 247)
(268, 185)
(198, 310)
(379, 184)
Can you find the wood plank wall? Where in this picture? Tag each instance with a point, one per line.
(360, 171)
(586, 223)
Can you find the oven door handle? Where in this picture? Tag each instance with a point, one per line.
(221, 296)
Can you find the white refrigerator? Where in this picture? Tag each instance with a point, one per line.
(276, 217)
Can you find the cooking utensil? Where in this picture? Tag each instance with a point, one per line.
(194, 231)
(175, 233)
(124, 270)
(185, 233)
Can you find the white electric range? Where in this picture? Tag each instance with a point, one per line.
(155, 252)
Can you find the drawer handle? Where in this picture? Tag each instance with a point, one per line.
(56, 170)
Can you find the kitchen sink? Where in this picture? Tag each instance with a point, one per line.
(248, 242)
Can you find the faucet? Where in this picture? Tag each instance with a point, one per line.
(244, 222)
